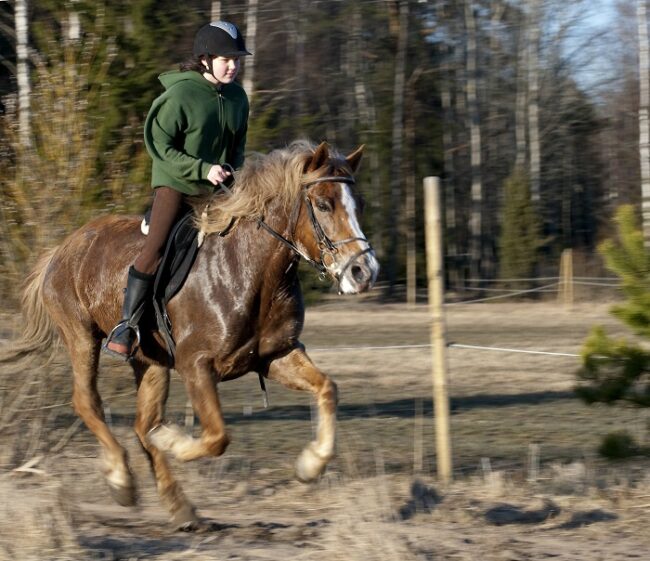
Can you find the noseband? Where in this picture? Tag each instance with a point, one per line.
(328, 248)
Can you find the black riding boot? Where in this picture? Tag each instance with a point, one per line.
(124, 340)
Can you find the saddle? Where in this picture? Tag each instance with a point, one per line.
(178, 258)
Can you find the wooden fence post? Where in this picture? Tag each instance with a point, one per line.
(433, 222)
(565, 292)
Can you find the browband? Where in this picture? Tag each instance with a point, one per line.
(330, 179)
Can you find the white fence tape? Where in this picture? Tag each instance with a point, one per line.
(427, 346)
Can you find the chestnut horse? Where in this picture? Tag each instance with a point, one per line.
(240, 309)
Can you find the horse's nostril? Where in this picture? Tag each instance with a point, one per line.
(358, 273)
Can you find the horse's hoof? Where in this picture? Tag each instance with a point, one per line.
(186, 520)
(309, 465)
(124, 496)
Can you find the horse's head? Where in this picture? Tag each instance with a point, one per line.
(328, 228)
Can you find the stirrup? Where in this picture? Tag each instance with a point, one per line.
(134, 347)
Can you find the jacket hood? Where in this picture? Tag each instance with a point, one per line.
(168, 79)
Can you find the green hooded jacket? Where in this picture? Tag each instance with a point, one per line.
(192, 126)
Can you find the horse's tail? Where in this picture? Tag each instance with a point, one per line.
(38, 330)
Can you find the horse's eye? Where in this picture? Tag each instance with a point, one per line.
(323, 205)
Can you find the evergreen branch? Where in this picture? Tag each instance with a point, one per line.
(8, 65)
(8, 31)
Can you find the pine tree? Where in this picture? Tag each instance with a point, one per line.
(615, 369)
(520, 239)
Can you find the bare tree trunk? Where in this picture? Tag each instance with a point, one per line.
(520, 104)
(451, 227)
(215, 12)
(300, 64)
(409, 210)
(251, 33)
(476, 249)
(368, 118)
(347, 116)
(74, 24)
(610, 145)
(644, 125)
(397, 144)
(533, 99)
(22, 73)
(409, 224)
(491, 187)
(461, 155)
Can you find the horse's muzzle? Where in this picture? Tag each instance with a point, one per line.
(359, 274)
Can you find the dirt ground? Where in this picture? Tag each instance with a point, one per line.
(528, 483)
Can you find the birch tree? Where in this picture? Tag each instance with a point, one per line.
(644, 124)
(533, 98)
(215, 10)
(296, 50)
(520, 105)
(397, 141)
(367, 116)
(449, 181)
(251, 32)
(410, 186)
(22, 73)
(447, 81)
(475, 143)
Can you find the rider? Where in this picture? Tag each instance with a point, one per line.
(192, 130)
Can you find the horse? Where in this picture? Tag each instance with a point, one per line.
(240, 309)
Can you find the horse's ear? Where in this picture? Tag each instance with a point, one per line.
(321, 155)
(354, 159)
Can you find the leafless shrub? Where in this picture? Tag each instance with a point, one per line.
(65, 176)
(364, 528)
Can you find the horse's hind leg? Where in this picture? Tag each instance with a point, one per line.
(84, 355)
(153, 387)
(296, 371)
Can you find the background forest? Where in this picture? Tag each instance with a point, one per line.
(527, 109)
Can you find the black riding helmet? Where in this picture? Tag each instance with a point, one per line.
(219, 38)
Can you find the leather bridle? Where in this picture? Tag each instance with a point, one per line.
(327, 247)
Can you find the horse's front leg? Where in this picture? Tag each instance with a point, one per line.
(201, 385)
(296, 371)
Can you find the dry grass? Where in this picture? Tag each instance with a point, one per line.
(385, 517)
(36, 520)
(370, 505)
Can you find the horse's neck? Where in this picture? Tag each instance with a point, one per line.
(254, 247)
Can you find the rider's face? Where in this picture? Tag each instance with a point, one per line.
(224, 69)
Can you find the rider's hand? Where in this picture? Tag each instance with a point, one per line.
(217, 174)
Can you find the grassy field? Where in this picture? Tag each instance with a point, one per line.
(528, 482)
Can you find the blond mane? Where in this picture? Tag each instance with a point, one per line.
(277, 176)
